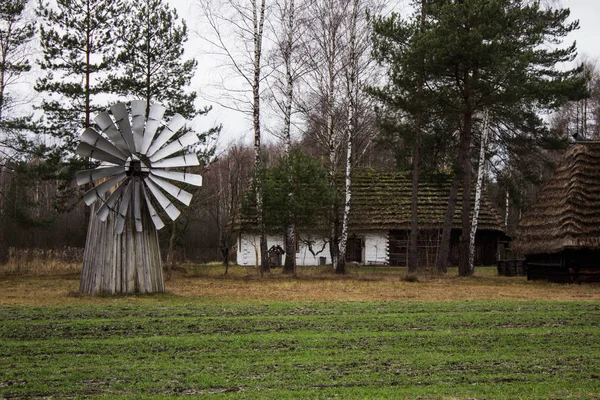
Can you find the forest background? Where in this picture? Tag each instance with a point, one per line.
(323, 50)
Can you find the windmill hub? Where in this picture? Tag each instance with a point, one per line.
(136, 167)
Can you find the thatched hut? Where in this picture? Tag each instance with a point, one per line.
(560, 234)
(380, 221)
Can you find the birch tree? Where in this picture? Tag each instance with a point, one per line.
(352, 98)
(323, 84)
(237, 35)
(332, 107)
(478, 189)
(288, 31)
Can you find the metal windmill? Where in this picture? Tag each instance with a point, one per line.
(137, 155)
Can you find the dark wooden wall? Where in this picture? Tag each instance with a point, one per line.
(486, 247)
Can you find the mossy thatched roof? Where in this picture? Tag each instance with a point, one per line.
(566, 213)
(381, 199)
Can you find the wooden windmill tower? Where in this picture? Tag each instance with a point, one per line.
(134, 181)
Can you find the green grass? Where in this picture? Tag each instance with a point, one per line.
(485, 349)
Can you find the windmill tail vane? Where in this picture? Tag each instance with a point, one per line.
(136, 155)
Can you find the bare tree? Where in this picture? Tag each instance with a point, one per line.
(352, 72)
(580, 117)
(244, 22)
(288, 67)
(224, 185)
(336, 115)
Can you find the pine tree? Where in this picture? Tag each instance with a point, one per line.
(151, 58)
(152, 68)
(78, 42)
(482, 54)
(16, 31)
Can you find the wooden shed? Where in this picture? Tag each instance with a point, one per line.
(560, 234)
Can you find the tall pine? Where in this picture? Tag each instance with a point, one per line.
(16, 31)
(151, 61)
(152, 68)
(499, 55)
(78, 42)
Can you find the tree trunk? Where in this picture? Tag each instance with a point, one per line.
(478, 189)
(258, 15)
(290, 250)
(413, 250)
(465, 171)
(170, 254)
(352, 82)
(444, 249)
(121, 264)
(290, 233)
(340, 267)
(506, 209)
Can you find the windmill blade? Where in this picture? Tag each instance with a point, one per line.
(154, 118)
(119, 110)
(109, 129)
(176, 145)
(138, 117)
(92, 175)
(153, 214)
(123, 207)
(191, 179)
(109, 204)
(137, 206)
(186, 160)
(93, 138)
(165, 203)
(94, 193)
(179, 194)
(87, 150)
(175, 124)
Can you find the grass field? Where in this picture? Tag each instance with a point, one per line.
(369, 335)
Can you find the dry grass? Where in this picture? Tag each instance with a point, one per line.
(208, 285)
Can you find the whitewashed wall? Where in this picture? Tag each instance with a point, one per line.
(374, 252)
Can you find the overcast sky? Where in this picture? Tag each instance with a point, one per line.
(237, 127)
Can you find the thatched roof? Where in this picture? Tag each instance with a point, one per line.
(381, 201)
(566, 213)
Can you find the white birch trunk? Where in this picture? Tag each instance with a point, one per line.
(331, 75)
(352, 86)
(258, 19)
(290, 237)
(478, 189)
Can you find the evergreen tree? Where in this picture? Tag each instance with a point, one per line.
(16, 31)
(78, 42)
(152, 68)
(295, 191)
(482, 55)
(151, 59)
